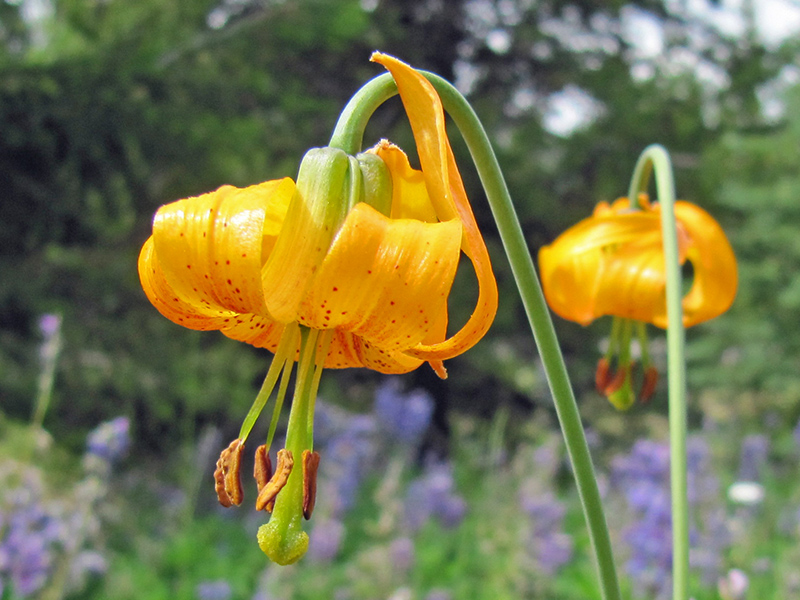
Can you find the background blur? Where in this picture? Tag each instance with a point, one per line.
(110, 108)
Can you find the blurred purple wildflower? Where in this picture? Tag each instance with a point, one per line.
(49, 325)
(549, 546)
(110, 440)
(28, 541)
(642, 477)
(401, 551)
(218, 589)
(347, 447)
(433, 495)
(753, 457)
(325, 540)
(405, 417)
(50, 328)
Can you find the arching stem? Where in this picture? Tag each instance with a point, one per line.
(348, 136)
(655, 159)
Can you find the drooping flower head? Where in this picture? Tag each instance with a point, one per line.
(350, 266)
(612, 263)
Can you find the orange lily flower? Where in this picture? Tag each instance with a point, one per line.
(349, 267)
(612, 263)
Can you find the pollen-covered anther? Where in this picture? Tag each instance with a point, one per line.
(227, 475)
(602, 376)
(649, 384)
(262, 469)
(310, 466)
(266, 497)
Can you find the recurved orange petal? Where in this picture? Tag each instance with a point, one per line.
(449, 199)
(715, 274)
(210, 247)
(172, 304)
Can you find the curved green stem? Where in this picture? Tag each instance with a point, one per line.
(348, 136)
(541, 324)
(655, 158)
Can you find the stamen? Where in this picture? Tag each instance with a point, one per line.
(262, 470)
(310, 466)
(227, 476)
(602, 376)
(266, 497)
(649, 384)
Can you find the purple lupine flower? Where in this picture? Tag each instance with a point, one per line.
(213, 590)
(49, 325)
(433, 495)
(549, 546)
(325, 540)
(87, 562)
(110, 440)
(29, 553)
(642, 477)
(401, 551)
(405, 417)
(41, 533)
(753, 457)
(347, 454)
(50, 328)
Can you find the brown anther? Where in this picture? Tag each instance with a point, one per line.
(266, 497)
(649, 384)
(602, 376)
(227, 476)
(310, 466)
(617, 381)
(262, 470)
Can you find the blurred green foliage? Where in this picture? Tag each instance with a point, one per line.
(109, 109)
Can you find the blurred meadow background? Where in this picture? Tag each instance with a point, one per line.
(111, 417)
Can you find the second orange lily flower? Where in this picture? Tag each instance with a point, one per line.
(613, 264)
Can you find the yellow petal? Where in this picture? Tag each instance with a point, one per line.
(426, 115)
(570, 281)
(410, 198)
(261, 332)
(210, 247)
(613, 264)
(384, 280)
(170, 303)
(711, 255)
(449, 199)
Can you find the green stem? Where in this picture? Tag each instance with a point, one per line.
(541, 324)
(348, 136)
(655, 158)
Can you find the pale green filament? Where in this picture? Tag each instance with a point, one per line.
(284, 352)
(276, 411)
(322, 353)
